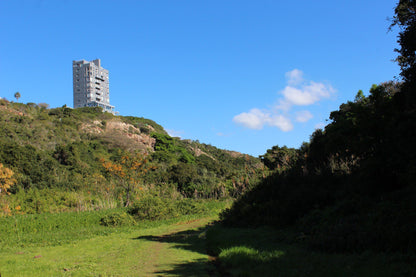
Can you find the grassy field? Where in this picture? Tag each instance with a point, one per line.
(158, 250)
(75, 244)
(267, 252)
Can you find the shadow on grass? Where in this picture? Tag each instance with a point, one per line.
(271, 252)
(200, 267)
(265, 252)
(190, 240)
(245, 251)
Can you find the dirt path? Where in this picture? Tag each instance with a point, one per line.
(166, 250)
(178, 252)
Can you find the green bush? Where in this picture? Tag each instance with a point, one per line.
(155, 208)
(117, 219)
(152, 208)
(188, 206)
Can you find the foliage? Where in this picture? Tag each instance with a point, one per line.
(151, 208)
(344, 181)
(6, 179)
(144, 124)
(17, 96)
(188, 206)
(155, 208)
(405, 18)
(270, 252)
(171, 150)
(117, 219)
(61, 151)
(129, 170)
(280, 158)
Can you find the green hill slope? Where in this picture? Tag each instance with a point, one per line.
(63, 150)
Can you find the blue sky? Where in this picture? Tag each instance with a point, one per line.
(240, 75)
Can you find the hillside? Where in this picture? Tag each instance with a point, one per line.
(65, 150)
(352, 187)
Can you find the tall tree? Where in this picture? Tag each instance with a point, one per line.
(129, 171)
(405, 19)
(17, 96)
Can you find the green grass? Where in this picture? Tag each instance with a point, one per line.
(265, 252)
(136, 252)
(76, 244)
(57, 229)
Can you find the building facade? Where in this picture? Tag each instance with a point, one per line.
(91, 85)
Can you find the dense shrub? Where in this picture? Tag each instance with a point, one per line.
(189, 206)
(117, 219)
(152, 208)
(58, 151)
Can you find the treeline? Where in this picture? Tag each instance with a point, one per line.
(58, 159)
(353, 186)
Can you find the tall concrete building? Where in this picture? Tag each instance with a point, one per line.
(91, 85)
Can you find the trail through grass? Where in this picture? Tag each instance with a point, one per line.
(75, 244)
(167, 250)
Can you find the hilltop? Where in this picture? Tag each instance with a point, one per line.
(63, 149)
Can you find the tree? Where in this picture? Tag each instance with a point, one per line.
(279, 157)
(129, 170)
(6, 179)
(43, 105)
(405, 18)
(17, 96)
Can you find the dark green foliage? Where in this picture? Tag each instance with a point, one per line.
(61, 149)
(352, 187)
(164, 142)
(171, 150)
(35, 168)
(119, 218)
(405, 18)
(156, 208)
(267, 251)
(357, 223)
(151, 208)
(185, 175)
(280, 157)
(189, 206)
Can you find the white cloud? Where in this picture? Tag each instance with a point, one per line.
(303, 116)
(307, 94)
(281, 122)
(298, 92)
(294, 77)
(256, 119)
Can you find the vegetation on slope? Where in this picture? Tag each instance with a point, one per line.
(78, 243)
(352, 187)
(58, 158)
